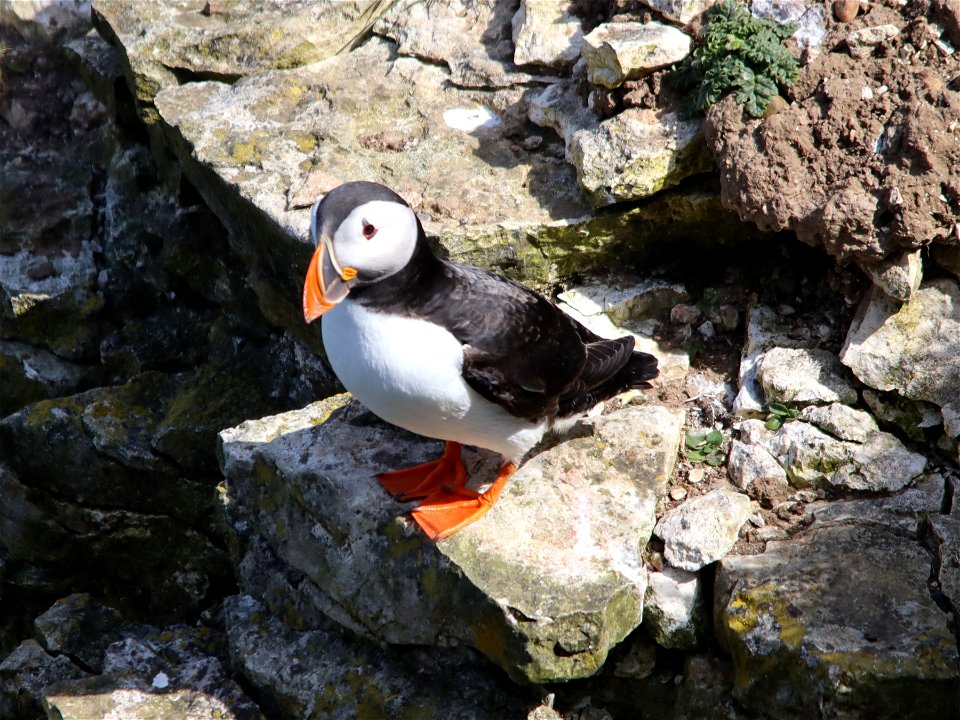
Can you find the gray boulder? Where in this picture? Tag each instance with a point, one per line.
(545, 584)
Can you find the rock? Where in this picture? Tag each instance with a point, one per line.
(29, 373)
(46, 20)
(626, 300)
(674, 612)
(809, 17)
(802, 377)
(764, 331)
(82, 628)
(24, 674)
(911, 348)
(546, 34)
(681, 11)
(599, 492)
(473, 40)
(635, 154)
(143, 672)
(97, 698)
(615, 52)
(808, 627)
(841, 421)
(702, 529)
(902, 512)
(317, 674)
(812, 458)
(912, 417)
(639, 661)
(748, 462)
(863, 41)
(586, 306)
(898, 276)
(945, 531)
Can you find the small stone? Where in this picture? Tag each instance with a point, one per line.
(747, 463)
(846, 10)
(533, 142)
(861, 42)
(684, 314)
(707, 329)
(704, 529)
(696, 475)
(677, 493)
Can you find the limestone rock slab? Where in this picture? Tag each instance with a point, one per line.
(764, 331)
(682, 11)
(881, 463)
(544, 584)
(472, 38)
(320, 674)
(675, 609)
(703, 529)
(803, 377)
(615, 52)
(822, 634)
(637, 153)
(913, 347)
(841, 421)
(546, 33)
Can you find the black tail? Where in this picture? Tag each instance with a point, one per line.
(612, 367)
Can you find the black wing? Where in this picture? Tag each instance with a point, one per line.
(526, 355)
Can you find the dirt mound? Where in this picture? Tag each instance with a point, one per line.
(865, 160)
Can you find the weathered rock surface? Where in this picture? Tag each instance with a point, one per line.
(910, 347)
(319, 674)
(130, 670)
(811, 457)
(822, 634)
(703, 529)
(310, 494)
(546, 33)
(615, 52)
(675, 611)
(803, 377)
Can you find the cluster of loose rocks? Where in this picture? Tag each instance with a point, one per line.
(189, 523)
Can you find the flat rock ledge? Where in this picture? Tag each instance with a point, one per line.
(543, 594)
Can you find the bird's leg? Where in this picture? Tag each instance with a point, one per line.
(420, 481)
(446, 511)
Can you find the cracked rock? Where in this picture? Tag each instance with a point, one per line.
(577, 582)
(803, 377)
(703, 529)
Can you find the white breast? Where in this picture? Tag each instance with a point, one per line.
(407, 371)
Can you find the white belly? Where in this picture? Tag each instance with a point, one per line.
(407, 371)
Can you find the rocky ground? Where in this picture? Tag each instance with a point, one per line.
(188, 525)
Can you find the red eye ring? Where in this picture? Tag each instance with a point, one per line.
(368, 230)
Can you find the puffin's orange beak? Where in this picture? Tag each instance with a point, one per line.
(326, 283)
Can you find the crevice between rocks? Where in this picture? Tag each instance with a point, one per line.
(185, 76)
(928, 538)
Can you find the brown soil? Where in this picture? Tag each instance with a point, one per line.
(865, 160)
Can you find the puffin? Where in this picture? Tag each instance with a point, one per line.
(449, 351)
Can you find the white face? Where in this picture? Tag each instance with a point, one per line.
(377, 238)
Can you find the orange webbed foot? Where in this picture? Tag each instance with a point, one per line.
(448, 510)
(421, 481)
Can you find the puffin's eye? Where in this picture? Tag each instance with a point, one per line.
(368, 230)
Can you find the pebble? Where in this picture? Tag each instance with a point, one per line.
(684, 314)
(695, 476)
(846, 10)
(677, 493)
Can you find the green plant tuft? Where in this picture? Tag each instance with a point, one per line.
(739, 54)
(705, 447)
(778, 414)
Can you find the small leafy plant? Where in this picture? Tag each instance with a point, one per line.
(740, 54)
(705, 447)
(778, 414)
